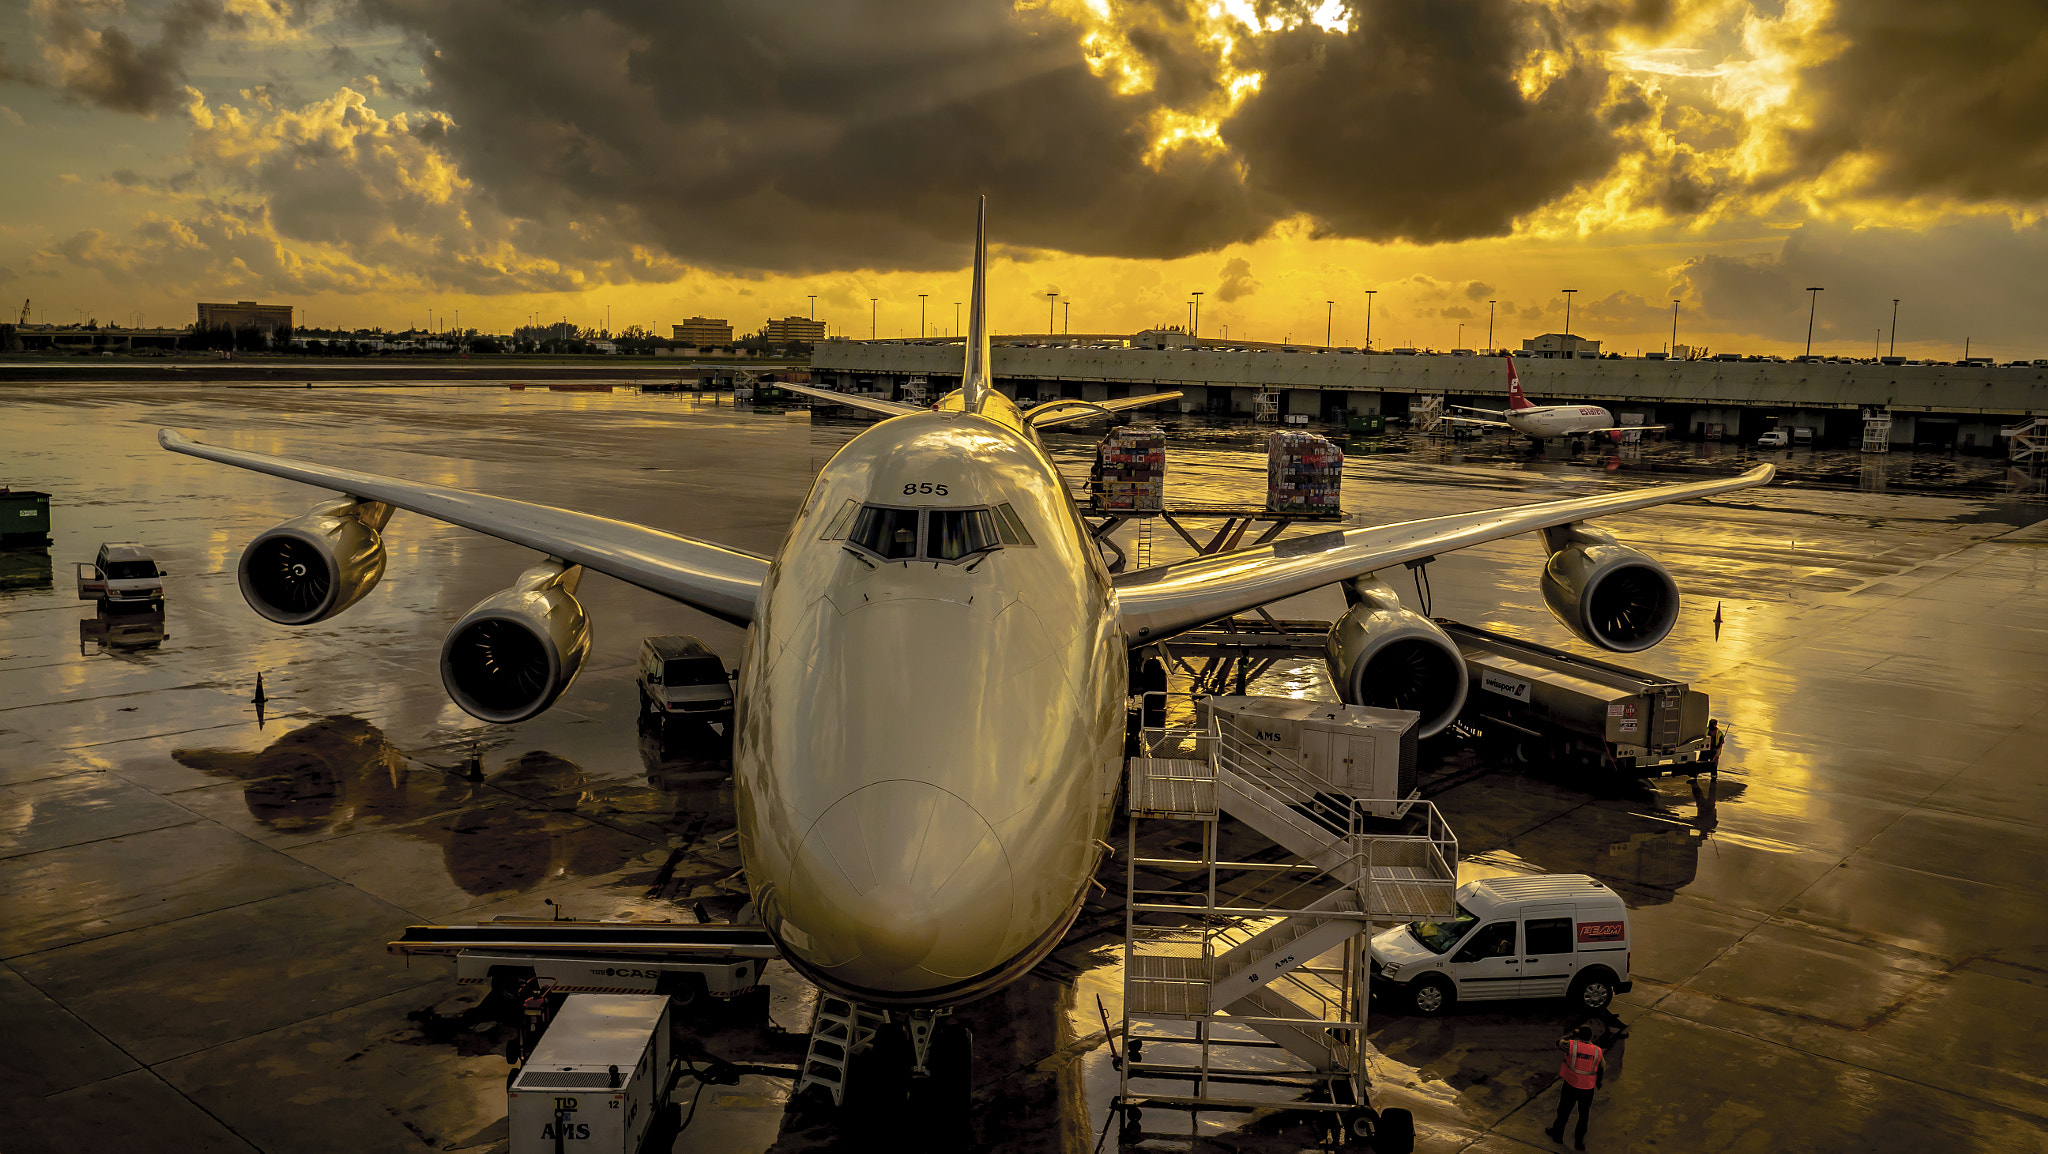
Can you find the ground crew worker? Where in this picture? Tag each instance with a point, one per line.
(1580, 1071)
(1714, 739)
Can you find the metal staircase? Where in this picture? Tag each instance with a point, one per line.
(2029, 440)
(839, 1029)
(1249, 975)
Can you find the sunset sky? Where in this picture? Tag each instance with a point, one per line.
(369, 160)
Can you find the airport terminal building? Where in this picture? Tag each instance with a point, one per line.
(1964, 406)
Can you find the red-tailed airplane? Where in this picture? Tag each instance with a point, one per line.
(931, 705)
(1542, 422)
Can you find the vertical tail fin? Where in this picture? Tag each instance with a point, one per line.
(975, 381)
(1515, 398)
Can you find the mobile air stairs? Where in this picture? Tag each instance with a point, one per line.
(1245, 980)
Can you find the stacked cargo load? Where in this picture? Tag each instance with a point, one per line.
(1130, 469)
(1304, 474)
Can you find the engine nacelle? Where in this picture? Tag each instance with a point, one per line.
(313, 567)
(511, 656)
(1384, 655)
(1607, 593)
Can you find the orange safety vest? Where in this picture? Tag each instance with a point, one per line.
(1581, 1065)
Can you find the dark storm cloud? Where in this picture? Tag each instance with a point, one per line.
(1974, 278)
(1413, 126)
(783, 135)
(1237, 281)
(107, 66)
(1945, 99)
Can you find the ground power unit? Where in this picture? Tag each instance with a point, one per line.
(595, 1079)
(1355, 750)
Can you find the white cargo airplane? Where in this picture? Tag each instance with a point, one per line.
(1540, 423)
(931, 705)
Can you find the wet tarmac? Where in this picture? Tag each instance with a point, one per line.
(1841, 944)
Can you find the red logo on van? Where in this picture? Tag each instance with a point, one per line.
(1600, 931)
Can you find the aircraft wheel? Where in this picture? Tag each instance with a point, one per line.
(878, 1081)
(945, 1096)
(1397, 1132)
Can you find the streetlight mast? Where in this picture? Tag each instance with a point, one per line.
(1051, 303)
(1568, 311)
(1489, 327)
(1813, 296)
(1197, 333)
(921, 331)
(1674, 330)
(1893, 349)
(1329, 319)
(874, 315)
(1368, 318)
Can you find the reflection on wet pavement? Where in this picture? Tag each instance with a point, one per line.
(198, 894)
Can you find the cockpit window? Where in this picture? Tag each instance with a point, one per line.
(954, 533)
(890, 534)
(1010, 527)
(841, 522)
(932, 534)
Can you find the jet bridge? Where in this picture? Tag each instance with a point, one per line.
(1245, 978)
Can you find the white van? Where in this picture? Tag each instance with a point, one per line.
(1540, 936)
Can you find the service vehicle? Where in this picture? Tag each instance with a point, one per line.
(1534, 936)
(677, 960)
(1549, 705)
(1773, 439)
(681, 675)
(124, 575)
(595, 1079)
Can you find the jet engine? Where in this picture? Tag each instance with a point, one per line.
(1607, 593)
(314, 566)
(1385, 655)
(512, 655)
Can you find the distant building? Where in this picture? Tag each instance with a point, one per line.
(789, 329)
(272, 319)
(1560, 345)
(704, 331)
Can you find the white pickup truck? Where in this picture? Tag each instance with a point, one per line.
(124, 576)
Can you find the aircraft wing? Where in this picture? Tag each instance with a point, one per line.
(722, 582)
(1627, 429)
(872, 404)
(1159, 602)
(1068, 411)
(1470, 409)
(1477, 421)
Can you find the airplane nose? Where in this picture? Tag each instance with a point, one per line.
(901, 885)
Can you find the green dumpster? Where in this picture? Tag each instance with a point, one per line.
(1366, 423)
(24, 517)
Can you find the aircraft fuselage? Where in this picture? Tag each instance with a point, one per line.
(1546, 421)
(928, 735)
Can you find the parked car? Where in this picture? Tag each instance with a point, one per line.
(1775, 439)
(124, 576)
(1539, 936)
(682, 676)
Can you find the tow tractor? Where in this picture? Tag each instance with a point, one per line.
(685, 962)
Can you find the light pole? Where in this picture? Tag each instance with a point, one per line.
(1329, 318)
(1893, 349)
(1489, 327)
(921, 331)
(814, 305)
(1368, 318)
(956, 318)
(1813, 297)
(1066, 318)
(1051, 302)
(1674, 330)
(1461, 336)
(874, 315)
(1568, 310)
(1197, 333)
